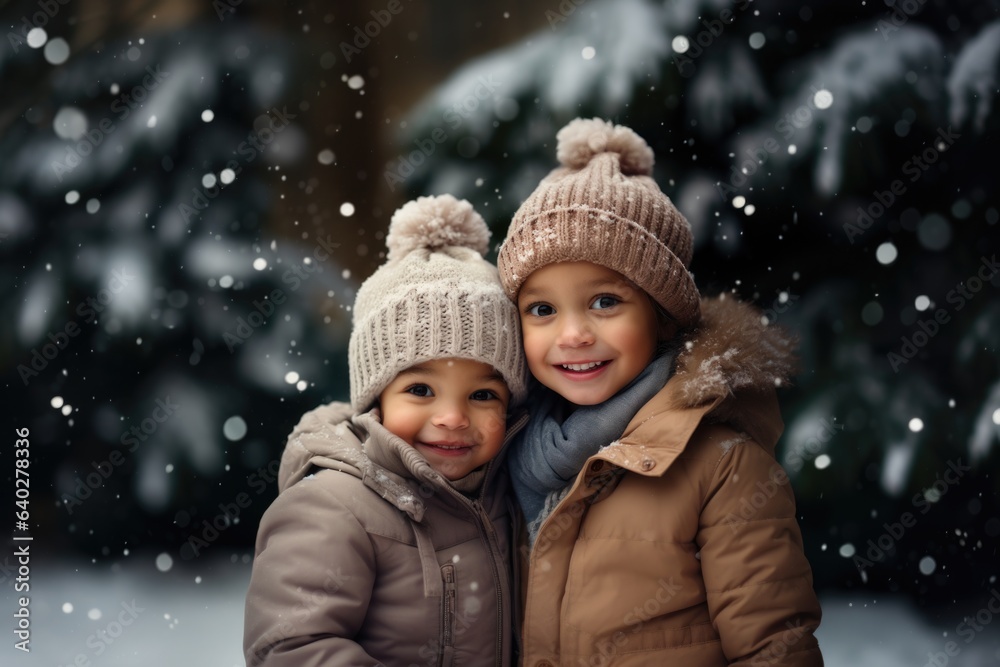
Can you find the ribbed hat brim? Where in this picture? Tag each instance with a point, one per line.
(586, 234)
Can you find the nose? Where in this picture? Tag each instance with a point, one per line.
(451, 416)
(575, 332)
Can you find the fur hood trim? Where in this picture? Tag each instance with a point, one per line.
(732, 350)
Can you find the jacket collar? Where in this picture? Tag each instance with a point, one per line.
(332, 436)
(727, 373)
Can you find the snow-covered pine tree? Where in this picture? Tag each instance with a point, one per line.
(781, 132)
(149, 303)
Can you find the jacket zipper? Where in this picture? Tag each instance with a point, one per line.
(447, 636)
(488, 536)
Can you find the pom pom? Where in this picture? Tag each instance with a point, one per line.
(584, 138)
(436, 222)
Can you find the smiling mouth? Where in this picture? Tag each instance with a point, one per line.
(447, 446)
(590, 365)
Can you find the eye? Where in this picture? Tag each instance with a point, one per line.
(540, 310)
(604, 302)
(484, 395)
(420, 390)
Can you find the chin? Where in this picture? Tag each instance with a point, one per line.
(451, 474)
(585, 401)
(582, 397)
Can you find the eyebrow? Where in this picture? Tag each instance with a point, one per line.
(495, 375)
(592, 284)
(485, 377)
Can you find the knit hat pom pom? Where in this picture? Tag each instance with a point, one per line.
(584, 138)
(436, 222)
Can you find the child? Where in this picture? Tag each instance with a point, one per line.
(662, 531)
(390, 539)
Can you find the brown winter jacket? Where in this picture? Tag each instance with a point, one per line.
(678, 543)
(369, 557)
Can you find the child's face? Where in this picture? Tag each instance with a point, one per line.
(588, 331)
(453, 411)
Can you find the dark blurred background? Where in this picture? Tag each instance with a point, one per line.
(190, 193)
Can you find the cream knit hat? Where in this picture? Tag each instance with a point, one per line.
(434, 298)
(602, 206)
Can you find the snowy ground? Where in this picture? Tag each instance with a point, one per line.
(176, 620)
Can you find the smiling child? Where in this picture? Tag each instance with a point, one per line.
(390, 540)
(652, 432)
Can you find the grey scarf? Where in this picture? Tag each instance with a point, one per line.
(549, 453)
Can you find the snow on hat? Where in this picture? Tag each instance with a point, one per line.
(434, 298)
(602, 206)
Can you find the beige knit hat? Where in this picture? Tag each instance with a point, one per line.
(434, 298)
(602, 206)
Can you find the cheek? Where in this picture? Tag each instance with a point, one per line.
(489, 427)
(401, 423)
(640, 339)
(493, 428)
(535, 348)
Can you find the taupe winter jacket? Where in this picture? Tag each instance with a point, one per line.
(678, 544)
(370, 557)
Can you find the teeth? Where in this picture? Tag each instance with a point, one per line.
(582, 367)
